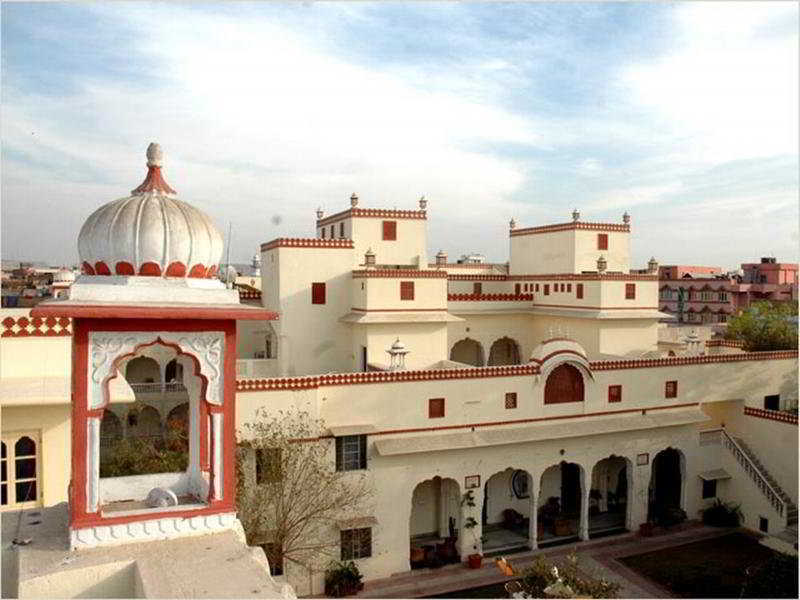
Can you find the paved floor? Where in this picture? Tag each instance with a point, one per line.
(597, 556)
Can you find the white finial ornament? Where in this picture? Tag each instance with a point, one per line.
(320, 213)
(369, 258)
(512, 223)
(423, 203)
(576, 215)
(397, 356)
(354, 200)
(626, 218)
(155, 156)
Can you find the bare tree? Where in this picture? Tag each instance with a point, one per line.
(290, 496)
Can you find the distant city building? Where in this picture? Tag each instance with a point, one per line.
(696, 294)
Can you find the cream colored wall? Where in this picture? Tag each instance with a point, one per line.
(487, 287)
(310, 337)
(426, 343)
(583, 331)
(53, 425)
(382, 293)
(348, 229)
(487, 329)
(251, 338)
(592, 295)
(541, 253)
(631, 337)
(34, 356)
(500, 496)
(612, 294)
(618, 255)
(410, 248)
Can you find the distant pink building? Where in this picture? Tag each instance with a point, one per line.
(712, 297)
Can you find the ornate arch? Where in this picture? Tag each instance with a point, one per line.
(564, 384)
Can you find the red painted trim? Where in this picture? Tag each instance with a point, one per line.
(176, 269)
(398, 273)
(307, 243)
(552, 354)
(153, 182)
(678, 361)
(489, 297)
(582, 225)
(724, 343)
(80, 374)
(555, 277)
(487, 266)
(372, 310)
(235, 312)
(87, 268)
(101, 268)
(150, 269)
(772, 415)
(35, 327)
(372, 213)
(197, 271)
(95, 519)
(582, 307)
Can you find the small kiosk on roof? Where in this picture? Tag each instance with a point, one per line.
(148, 289)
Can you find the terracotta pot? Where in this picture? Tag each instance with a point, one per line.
(474, 561)
(417, 554)
(562, 527)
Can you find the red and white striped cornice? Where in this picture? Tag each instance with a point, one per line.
(489, 297)
(607, 227)
(555, 277)
(306, 243)
(36, 327)
(372, 213)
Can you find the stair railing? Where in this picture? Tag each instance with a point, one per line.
(754, 472)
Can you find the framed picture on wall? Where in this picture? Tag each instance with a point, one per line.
(472, 481)
(642, 459)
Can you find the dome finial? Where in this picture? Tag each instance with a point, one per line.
(155, 156)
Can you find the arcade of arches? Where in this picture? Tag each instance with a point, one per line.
(503, 351)
(518, 509)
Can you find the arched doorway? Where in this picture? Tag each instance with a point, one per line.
(435, 523)
(507, 506)
(144, 423)
(142, 369)
(609, 496)
(469, 352)
(110, 429)
(666, 484)
(504, 351)
(564, 384)
(559, 504)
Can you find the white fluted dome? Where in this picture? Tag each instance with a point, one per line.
(150, 233)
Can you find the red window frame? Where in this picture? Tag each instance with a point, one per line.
(406, 290)
(318, 293)
(390, 231)
(341, 229)
(569, 288)
(323, 233)
(517, 289)
(602, 241)
(615, 393)
(477, 288)
(546, 289)
(671, 389)
(579, 291)
(630, 291)
(537, 287)
(436, 408)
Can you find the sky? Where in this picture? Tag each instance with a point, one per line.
(683, 114)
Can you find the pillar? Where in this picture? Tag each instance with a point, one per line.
(441, 505)
(639, 494)
(583, 527)
(533, 489)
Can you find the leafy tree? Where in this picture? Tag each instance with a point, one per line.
(289, 493)
(545, 579)
(765, 325)
(142, 456)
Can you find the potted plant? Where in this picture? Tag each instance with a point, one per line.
(473, 560)
(342, 579)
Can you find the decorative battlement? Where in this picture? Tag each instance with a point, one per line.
(606, 227)
(313, 382)
(555, 277)
(773, 415)
(372, 213)
(489, 297)
(306, 243)
(36, 327)
(398, 273)
(724, 344)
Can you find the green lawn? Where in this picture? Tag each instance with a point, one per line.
(708, 569)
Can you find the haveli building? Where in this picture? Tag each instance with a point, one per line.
(538, 388)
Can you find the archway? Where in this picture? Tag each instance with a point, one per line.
(173, 375)
(507, 507)
(666, 484)
(564, 384)
(559, 504)
(609, 496)
(144, 423)
(177, 428)
(142, 369)
(469, 352)
(110, 430)
(504, 351)
(435, 523)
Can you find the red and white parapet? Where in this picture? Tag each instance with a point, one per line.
(162, 302)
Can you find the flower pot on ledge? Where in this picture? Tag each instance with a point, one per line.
(474, 561)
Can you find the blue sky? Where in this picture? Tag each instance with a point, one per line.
(683, 114)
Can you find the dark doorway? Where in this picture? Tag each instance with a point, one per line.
(570, 488)
(665, 484)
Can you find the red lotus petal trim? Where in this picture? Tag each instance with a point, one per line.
(101, 268)
(88, 269)
(150, 269)
(124, 268)
(198, 271)
(176, 269)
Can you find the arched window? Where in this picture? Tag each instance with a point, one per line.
(19, 471)
(564, 384)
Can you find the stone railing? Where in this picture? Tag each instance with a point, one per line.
(773, 415)
(157, 388)
(754, 472)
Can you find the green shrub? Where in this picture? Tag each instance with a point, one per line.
(722, 514)
(671, 515)
(541, 574)
(774, 578)
(137, 456)
(342, 579)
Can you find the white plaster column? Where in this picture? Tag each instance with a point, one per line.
(217, 458)
(92, 464)
(533, 489)
(583, 527)
(639, 494)
(441, 507)
(468, 538)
